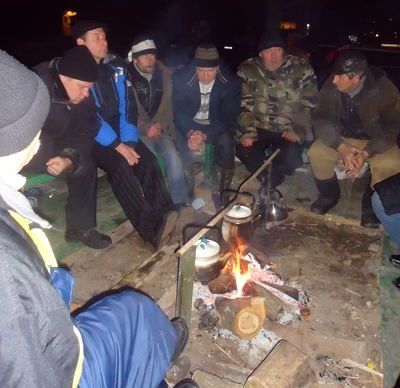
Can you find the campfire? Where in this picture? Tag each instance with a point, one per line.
(247, 292)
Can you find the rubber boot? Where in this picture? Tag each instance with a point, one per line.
(329, 194)
(368, 217)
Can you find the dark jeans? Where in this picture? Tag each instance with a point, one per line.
(80, 210)
(140, 189)
(285, 163)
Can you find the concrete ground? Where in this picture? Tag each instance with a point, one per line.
(343, 268)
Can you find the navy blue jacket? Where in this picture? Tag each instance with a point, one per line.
(115, 104)
(224, 102)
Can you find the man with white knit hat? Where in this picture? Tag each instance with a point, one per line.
(152, 85)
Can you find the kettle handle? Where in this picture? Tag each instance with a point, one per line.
(199, 226)
(276, 191)
(238, 193)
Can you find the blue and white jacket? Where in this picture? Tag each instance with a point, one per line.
(116, 108)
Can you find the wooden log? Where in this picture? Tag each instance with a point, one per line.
(273, 304)
(285, 367)
(223, 284)
(244, 317)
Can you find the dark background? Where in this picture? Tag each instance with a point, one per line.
(32, 31)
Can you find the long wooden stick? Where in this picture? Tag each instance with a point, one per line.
(228, 207)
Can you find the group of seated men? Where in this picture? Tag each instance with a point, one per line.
(75, 114)
(119, 115)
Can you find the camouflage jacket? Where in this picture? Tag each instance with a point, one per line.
(277, 101)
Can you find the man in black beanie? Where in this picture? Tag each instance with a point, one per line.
(67, 139)
(278, 93)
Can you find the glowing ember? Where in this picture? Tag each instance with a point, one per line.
(240, 269)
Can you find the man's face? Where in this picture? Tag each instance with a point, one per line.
(77, 90)
(344, 83)
(206, 75)
(146, 63)
(96, 41)
(273, 58)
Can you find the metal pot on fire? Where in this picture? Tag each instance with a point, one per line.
(208, 258)
(238, 224)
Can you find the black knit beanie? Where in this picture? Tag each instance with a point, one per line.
(78, 63)
(270, 39)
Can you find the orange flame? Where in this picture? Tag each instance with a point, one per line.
(242, 272)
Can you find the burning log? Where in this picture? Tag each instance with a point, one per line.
(274, 304)
(244, 316)
(223, 284)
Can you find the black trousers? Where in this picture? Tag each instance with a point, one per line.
(80, 210)
(140, 189)
(285, 163)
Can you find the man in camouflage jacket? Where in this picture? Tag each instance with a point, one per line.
(278, 92)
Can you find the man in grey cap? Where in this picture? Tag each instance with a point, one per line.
(151, 81)
(67, 140)
(206, 103)
(357, 120)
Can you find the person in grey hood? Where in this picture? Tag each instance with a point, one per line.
(120, 340)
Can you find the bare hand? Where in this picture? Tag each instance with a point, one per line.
(359, 158)
(196, 139)
(131, 156)
(353, 157)
(247, 142)
(154, 131)
(57, 165)
(291, 136)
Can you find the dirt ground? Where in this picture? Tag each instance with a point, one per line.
(331, 258)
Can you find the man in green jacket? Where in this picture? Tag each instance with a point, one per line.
(357, 120)
(278, 93)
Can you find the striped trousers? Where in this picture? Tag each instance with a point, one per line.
(140, 189)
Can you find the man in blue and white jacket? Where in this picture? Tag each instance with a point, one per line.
(132, 169)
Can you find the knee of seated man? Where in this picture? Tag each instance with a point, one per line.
(86, 167)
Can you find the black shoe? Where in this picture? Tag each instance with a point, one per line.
(395, 260)
(369, 219)
(90, 237)
(186, 383)
(182, 332)
(396, 282)
(323, 204)
(164, 232)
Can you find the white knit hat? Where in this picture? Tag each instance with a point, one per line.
(142, 45)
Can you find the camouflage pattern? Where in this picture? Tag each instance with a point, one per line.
(277, 101)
